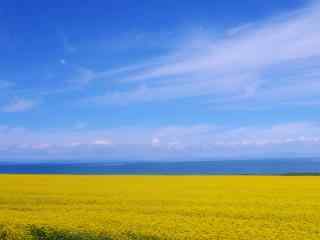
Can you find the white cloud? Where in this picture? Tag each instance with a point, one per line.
(5, 84)
(80, 125)
(66, 43)
(273, 59)
(75, 144)
(83, 76)
(19, 105)
(102, 142)
(155, 142)
(40, 146)
(193, 141)
(277, 41)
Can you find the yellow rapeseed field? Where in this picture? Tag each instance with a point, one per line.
(159, 207)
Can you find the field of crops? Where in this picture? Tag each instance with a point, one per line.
(159, 207)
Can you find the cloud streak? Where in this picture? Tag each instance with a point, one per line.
(18, 105)
(5, 84)
(273, 59)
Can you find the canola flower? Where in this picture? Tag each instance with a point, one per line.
(159, 207)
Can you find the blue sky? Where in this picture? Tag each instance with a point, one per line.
(159, 80)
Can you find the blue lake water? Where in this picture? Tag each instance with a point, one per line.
(187, 167)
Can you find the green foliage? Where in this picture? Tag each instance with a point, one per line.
(47, 233)
(34, 232)
(135, 236)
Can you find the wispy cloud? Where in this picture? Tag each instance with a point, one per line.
(80, 125)
(84, 76)
(275, 59)
(297, 138)
(68, 47)
(102, 142)
(19, 105)
(276, 41)
(5, 84)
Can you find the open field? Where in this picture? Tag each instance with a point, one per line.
(159, 207)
